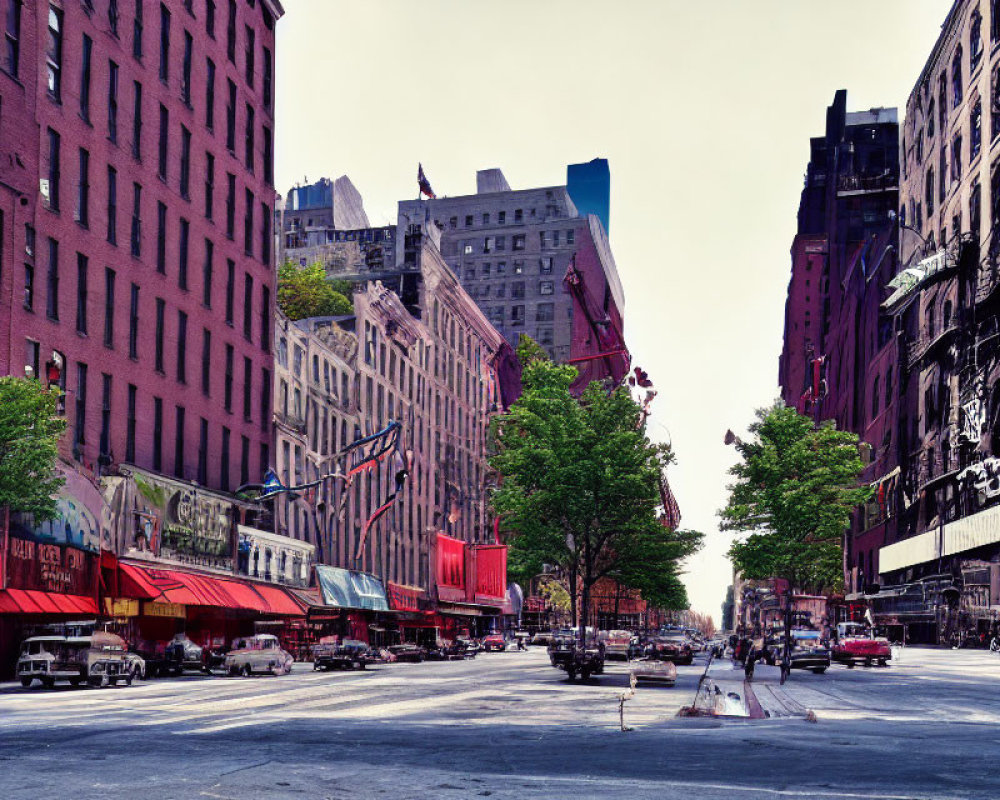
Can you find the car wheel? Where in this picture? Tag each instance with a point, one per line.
(585, 675)
(819, 670)
(882, 662)
(48, 683)
(26, 682)
(75, 681)
(850, 664)
(247, 672)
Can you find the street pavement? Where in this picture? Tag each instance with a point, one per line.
(507, 725)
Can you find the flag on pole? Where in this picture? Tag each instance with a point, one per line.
(423, 183)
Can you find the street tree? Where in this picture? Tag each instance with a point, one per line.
(795, 487)
(579, 486)
(307, 292)
(29, 438)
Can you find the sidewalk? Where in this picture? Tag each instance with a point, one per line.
(725, 693)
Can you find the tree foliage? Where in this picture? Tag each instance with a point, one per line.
(29, 440)
(580, 486)
(795, 489)
(307, 292)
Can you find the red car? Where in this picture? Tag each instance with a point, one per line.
(494, 642)
(856, 645)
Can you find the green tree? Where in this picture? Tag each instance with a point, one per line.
(306, 292)
(29, 440)
(579, 486)
(795, 489)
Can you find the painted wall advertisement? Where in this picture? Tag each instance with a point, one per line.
(50, 567)
(158, 518)
(81, 520)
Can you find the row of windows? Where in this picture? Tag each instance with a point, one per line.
(220, 450)
(52, 188)
(517, 288)
(544, 312)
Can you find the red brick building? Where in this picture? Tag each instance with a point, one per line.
(136, 200)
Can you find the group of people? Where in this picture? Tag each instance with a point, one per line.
(749, 650)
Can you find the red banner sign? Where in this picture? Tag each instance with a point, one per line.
(50, 567)
(491, 572)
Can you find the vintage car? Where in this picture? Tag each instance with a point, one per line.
(407, 651)
(855, 644)
(75, 652)
(670, 647)
(541, 637)
(494, 643)
(808, 650)
(180, 655)
(332, 652)
(261, 654)
(652, 670)
(568, 654)
(617, 645)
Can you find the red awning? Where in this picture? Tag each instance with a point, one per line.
(189, 589)
(31, 601)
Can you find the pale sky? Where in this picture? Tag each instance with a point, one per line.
(704, 111)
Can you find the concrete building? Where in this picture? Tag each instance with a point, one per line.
(513, 251)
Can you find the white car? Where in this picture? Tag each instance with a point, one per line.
(261, 653)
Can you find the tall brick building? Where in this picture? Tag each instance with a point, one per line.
(137, 203)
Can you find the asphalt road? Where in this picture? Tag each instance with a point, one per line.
(505, 725)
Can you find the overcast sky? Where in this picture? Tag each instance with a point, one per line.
(704, 111)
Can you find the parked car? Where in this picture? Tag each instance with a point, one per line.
(568, 654)
(258, 654)
(855, 644)
(808, 651)
(407, 651)
(181, 654)
(74, 652)
(333, 653)
(651, 670)
(494, 643)
(672, 647)
(617, 645)
(541, 637)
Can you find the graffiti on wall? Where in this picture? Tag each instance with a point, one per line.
(79, 516)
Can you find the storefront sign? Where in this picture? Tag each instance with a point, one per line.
(404, 598)
(450, 568)
(121, 607)
(163, 610)
(491, 572)
(50, 567)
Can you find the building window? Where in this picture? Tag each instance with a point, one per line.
(133, 323)
(112, 205)
(265, 318)
(179, 442)
(956, 159)
(210, 18)
(137, 30)
(545, 265)
(250, 51)
(265, 234)
(224, 461)
(517, 241)
(109, 308)
(12, 38)
(113, 17)
(83, 190)
(249, 139)
(81, 407)
(468, 220)
(231, 32)
(976, 131)
(157, 434)
(113, 102)
(975, 40)
(206, 361)
(995, 20)
(54, 172)
(230, 205)
(244, 460)
(182, 254)
(929, 191)
(956, 79)
(209, 184)
(158, 352)
(52, 282)
(930, 122)
(29, 287)
(268, 79)
(210, 94)
(265, 399)
(105, 444)
(545, 312)
(82, 268)
(164, 133)
(53, 54)
(517, 315)
(203, 452)
(85, 55)
(501, 217)
(207, 270)
(247, 306)
(161, 238)
(164, 43)
(545, 287)
(185, 163)
(248, 205)
(182, 325)
(186, 70)
(231, 117)
(247, 387)
(517, 290)
(227, 395)
(130, 425)
(136, 120)
(135, 236)
(545, 336)
(230, 289)
(975, 208)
